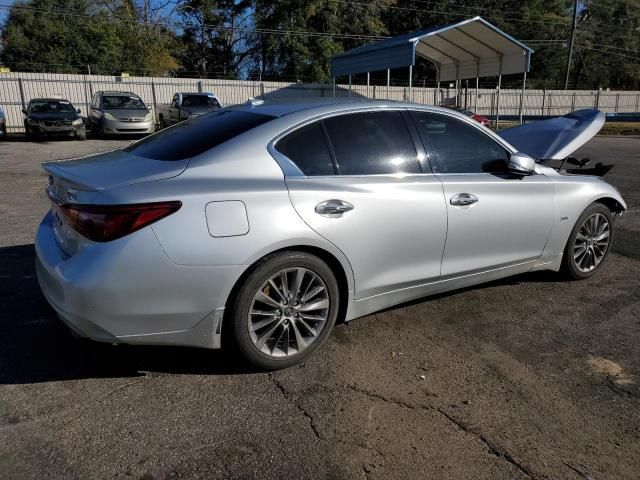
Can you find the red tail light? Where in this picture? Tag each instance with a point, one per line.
(103, 223)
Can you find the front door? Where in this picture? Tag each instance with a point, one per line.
(495, 219)
(364, 192)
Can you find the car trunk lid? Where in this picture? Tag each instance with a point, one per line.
(113, 169)
(555, 138)
(79, 181)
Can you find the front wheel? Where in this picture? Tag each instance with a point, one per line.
(285, 310)
(589, 242)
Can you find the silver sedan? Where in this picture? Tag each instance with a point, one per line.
(265, 224)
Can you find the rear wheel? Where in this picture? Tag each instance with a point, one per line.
(589, 242)
(285, 310)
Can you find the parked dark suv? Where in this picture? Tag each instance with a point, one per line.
(53, 116)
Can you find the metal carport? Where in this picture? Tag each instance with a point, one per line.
(471, 48)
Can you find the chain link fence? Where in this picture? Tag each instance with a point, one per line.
(16, 89)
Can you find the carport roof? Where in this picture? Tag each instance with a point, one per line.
(467, 49)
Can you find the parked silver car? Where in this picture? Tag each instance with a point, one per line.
(120, 113)
(266, 224)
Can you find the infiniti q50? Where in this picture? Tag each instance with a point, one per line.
(266, 223)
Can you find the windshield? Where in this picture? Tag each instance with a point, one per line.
(193, 137)
(129, 102)
(199, 101)
(51, 106)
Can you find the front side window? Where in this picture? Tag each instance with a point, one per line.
(307, 148)
(455, 147)
(195, 136)
(372, 143)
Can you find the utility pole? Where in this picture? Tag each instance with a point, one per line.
(571, 42)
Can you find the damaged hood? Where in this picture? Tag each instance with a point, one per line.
(555, 138)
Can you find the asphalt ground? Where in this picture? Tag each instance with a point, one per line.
(532, 377)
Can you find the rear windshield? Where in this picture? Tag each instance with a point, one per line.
(193, 137)
(199, 101)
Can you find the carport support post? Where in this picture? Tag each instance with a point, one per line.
(436, 94)
(498, 97)
(410, 78)
(368, 78)
(524, 86)
(333, 80)
(388, 81)
(458, 84)
(349, 84)
(477, 81)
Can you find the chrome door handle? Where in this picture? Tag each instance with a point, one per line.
(463, 199)
(333, 207)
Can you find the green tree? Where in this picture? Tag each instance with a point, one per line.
(71, 36)
(608, 45)
(217, 38)
(285, 46)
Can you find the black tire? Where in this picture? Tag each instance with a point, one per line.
(241, 304)
(163, 125)
(569, 265)
(27, 132)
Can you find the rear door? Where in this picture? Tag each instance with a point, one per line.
(495, 219)
(362, 188)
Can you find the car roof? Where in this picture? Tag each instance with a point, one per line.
(281, 108)
(116, 93)
(204, 94)
(46, 99)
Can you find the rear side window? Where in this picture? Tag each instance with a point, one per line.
(307, 148)
(193, 137)
(455, 147)
(372, 143)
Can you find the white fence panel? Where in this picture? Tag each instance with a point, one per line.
(16, 89)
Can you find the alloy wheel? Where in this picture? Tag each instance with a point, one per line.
(288, 312)
(592, 242)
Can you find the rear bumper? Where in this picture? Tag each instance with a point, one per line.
(128, 291)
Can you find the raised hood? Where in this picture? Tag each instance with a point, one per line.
(113, 169)
(555, 138)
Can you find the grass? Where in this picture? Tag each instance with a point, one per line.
(610, 128)
(621, 128)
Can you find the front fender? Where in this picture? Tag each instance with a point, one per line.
(572, 195)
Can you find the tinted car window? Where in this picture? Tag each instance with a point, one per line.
(193, 137)
(51, 106)
(199, 101)
(372, 143)
(455, 147)
(118, 102)
(307, 148)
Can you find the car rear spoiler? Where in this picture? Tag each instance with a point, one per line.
(555, 138)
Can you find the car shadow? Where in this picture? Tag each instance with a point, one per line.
(35, 346)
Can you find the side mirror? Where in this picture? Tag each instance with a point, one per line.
(521, 164)
(24, 110)
(77, 110)
(149, 107)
